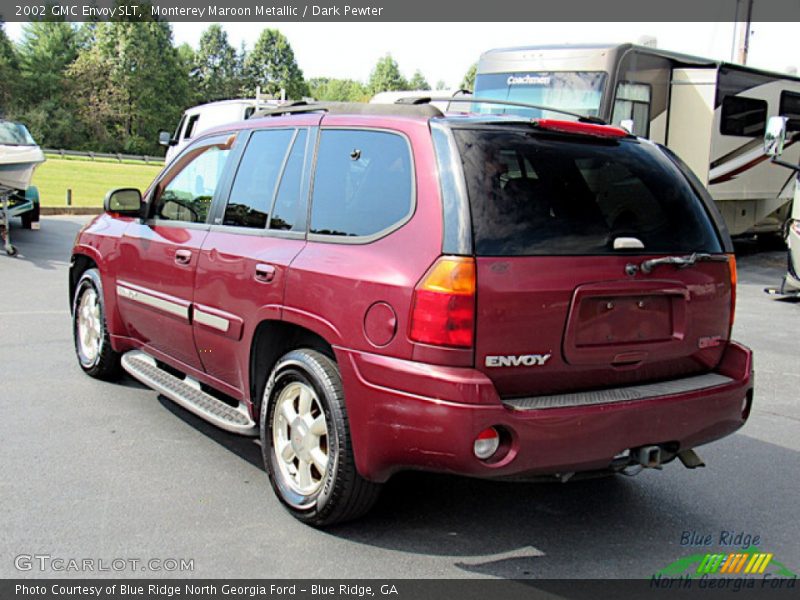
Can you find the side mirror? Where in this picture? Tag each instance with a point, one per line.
(165, 139)
(775, 136)
(124, 201)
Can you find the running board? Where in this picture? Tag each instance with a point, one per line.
(187, 393)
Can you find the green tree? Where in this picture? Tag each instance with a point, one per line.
(271, 65)
(337, 90)
(468, 83)
(418, 82)
(8, 69)
(441, 85)
(45, 53)
(215, 72)
(386, 77)
(128, 85)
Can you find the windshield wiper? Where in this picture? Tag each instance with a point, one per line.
(681, 261)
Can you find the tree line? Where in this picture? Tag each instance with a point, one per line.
(111, 86)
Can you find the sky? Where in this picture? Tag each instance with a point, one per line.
(444, 51)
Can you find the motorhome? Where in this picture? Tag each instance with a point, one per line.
(712, 114)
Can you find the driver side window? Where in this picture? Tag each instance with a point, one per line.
(188, 194)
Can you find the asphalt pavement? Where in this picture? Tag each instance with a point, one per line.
(106, 471)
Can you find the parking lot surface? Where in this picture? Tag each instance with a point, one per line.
(107, 471)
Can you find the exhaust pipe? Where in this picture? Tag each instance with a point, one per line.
(648, 456)
(690, 459)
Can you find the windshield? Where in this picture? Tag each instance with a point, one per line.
(15, 134)
(577, 92)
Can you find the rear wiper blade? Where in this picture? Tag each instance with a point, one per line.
(681, 261)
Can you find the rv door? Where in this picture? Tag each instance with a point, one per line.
(691, 117)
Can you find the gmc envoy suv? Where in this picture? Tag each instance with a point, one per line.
(377, 288)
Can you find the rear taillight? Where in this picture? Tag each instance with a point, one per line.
(732, 271)
(443, 310)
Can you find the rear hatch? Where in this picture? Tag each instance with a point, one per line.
(564, 226)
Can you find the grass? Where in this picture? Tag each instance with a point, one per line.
(89, 181)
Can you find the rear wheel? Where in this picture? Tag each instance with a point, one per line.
(306, 444)
(92, 342)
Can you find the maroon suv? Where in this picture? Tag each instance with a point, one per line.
(378, 288)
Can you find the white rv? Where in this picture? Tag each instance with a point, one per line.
(712, 114)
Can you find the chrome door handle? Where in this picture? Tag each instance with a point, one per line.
(183, 257)
(264, 273)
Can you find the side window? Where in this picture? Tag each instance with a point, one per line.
(178, 130)
(744, 117)
(254, 186)
(190, 127)
(633, 102)
(790, 107)
(285, 214)
(363, 182)
(187, 195)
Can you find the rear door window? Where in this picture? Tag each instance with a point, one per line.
(253, 188)
(363, 183)
(539, 194)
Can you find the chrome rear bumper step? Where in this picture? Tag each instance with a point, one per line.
(621, 394)
(187, 393)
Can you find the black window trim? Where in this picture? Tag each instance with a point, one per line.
(360, 239)
(722, 121)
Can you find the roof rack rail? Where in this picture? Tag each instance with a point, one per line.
(349, 108)
(472, 99)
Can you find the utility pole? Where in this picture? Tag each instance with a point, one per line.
(741, 34)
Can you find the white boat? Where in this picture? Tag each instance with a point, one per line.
(19, 156)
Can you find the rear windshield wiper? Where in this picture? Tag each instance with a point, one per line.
(681, 261)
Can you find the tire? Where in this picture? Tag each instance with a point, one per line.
(90, 331)
(303, 421)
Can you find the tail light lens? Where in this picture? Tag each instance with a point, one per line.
(443, 310)
(734, 279)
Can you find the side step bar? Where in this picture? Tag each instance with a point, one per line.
(187, 393)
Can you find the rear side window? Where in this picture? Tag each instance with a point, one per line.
(744, 117)
(540, 195)
(363, 183)
(254, 187)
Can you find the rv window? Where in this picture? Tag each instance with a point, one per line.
(633, 102)
(178, 130)
(790, 107)
(254, 186)
(743, 117)
(190, 127)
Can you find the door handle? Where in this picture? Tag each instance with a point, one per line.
(183, 257)
(264, 273)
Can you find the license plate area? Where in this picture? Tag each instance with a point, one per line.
(621, 323)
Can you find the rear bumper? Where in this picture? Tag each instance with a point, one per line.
(396, 426)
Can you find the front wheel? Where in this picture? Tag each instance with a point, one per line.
(89, 330)
(305, 440)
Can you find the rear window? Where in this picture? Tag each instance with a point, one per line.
(534, 194)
